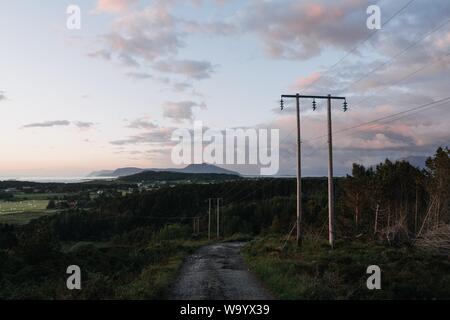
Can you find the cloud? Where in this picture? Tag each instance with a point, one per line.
(103, 54)
(210, 28)
(293, 29)
(190, 68)
(158, 135)
(151, 38)
(114, 5)
(128, 61)
(83, 124)
(47, 124)
(142, 123)
(60, 123)
(182, 110)
(145, 35)
(181, 86)
(306, 81)
(139, 75)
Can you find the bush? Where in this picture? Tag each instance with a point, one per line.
(436, 241)
(173, 232)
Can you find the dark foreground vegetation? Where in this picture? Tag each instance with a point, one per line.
(130, 245)
(317, 272)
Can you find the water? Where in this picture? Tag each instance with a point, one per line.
(56, 179)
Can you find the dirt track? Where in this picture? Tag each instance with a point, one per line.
(217, 272)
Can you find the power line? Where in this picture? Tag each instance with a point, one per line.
(392, 58)
(382, 65)
(402, 79)
(351, 51)
(394, 115)
(360, 42)
(366, 75)
(391, 84)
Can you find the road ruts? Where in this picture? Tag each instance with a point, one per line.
(217, 272)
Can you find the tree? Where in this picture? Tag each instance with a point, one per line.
(51, 205)
(438, 184)
(356, 190)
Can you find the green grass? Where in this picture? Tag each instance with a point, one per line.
(109, 271)
(7, 207)
(39, 196)
(22, 212)
(155, 280)
(22, 218)
(317, 272)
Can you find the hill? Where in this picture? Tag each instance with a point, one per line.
(192, 168)
(154, 176)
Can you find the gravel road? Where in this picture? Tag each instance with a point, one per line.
(217, 272)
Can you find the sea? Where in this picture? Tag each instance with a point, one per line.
(56, 179)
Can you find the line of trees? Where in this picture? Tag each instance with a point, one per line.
(395, 199)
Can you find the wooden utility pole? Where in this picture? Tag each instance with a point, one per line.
(299, 171)
(218, 217)
(198, 225)
(299, 176)
(209, 219)
(416, 209)
(331, 217)
(377, 210)
(330, 178)
(194, 225)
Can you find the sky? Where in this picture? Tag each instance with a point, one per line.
(110, 94)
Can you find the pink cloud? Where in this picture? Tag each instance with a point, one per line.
(307, 81)
(315, 10)
(114, 5)
(443, 41)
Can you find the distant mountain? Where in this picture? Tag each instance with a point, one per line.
(101, 173)
(192, 168)
(154, 176)
(204, 168)
(116, 173)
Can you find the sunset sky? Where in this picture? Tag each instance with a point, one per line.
(110, 94)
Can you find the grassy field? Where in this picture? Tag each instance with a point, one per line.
(39, 196)
(24, 217)
(316, 272)
(7, 207)
(22, 212)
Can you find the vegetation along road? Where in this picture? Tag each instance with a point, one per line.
(217, 272)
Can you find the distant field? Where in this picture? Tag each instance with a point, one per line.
(24, 217)
(39, 196)
(7, 207)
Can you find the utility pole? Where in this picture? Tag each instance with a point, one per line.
(194, 224)
(209, 219)
(218, 217)
(299, 170)
(198, 225)
(330, 164)
(299, 177)
(330, 178)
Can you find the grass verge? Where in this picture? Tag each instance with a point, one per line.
(317, 272)
(107, 271)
